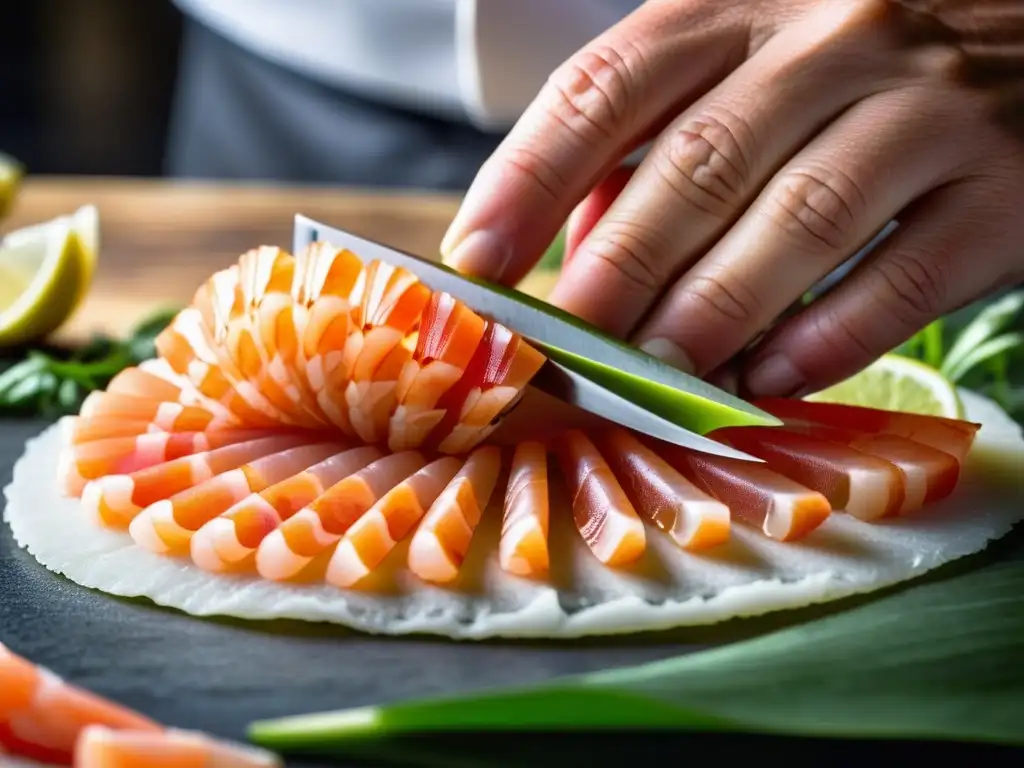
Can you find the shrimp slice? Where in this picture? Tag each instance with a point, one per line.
(268, 277)
(169, 415)
(929, 474)
(493, 383)
(166, 526)
(392, 303)
(100, 747)
(448, 336)
(115, 500)
(692, 518)
(782, 508)
(123, 455)
(156, 380)
(186, 346)
(523, 547)
(372, 537)
(865, 486)
(228, 540)
(76, 430)
(442, 540)
(325, 279)
(603, 513)
(953, 436)
(41, 716)
(314, 529)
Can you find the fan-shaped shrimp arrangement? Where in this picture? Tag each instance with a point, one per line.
(325, 436)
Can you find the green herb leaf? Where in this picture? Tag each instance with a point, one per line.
(991, 320)
(940, 660)
(992, 349)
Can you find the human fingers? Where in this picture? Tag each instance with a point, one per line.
(710, 163)
(817, 212)
(585, 215)
(595, 108)
(954, 246)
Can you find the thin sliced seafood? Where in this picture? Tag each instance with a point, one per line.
(523, 547)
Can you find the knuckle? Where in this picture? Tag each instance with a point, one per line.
(818, 206)
(538, 170)
(705, 161)
(632, 256)
(592, 94)
(724, 299)
(916, 283)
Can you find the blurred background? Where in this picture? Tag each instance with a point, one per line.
(86, 85)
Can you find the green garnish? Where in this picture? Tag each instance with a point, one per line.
(979, 348)
(941, 660)
(49, 384)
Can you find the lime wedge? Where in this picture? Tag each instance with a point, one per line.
(11, 173)
(45, 271)
(897, 383)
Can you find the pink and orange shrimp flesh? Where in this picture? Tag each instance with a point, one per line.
(307, 414)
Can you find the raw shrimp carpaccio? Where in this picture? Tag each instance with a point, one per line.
(45, 719)
(306, 415)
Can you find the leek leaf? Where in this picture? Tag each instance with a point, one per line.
(993, 319)
(940, 660)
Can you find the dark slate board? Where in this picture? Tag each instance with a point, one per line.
(219, 676)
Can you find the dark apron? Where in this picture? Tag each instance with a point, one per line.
(237, 116)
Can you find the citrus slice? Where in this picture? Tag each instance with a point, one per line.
(897, 383)
(45, 271)
(11, 172)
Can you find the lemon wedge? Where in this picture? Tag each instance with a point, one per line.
(45, 271)
(897, 383)
(11, 173)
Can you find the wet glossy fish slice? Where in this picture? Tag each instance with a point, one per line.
(313, 530)
(76, 430)
(114, 500)
(862, 485)
(100, 747)
(448, 336)
(171, 416)
(123, 455)
(441, 541)
(156, 380)
(230, 539)
(693, 519)
(782, 508)
(392, 303)
(495, 380)
(374, 535)
(325, 278)
(41, 716)
(929, 474)
(268, 277)
(523, 547)
(185, 345)
(167, 526)
(604, 515)
(953, 436)
(262, 273)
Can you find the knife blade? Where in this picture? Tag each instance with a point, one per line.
(572, 387)
(616, 368)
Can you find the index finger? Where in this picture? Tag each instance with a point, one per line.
(602, 102)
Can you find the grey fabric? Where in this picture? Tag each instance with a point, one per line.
(237, 116)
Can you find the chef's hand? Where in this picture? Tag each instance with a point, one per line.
(786, 134)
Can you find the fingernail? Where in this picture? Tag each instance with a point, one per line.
(774, 376)
(670, 352)
(481, 253)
